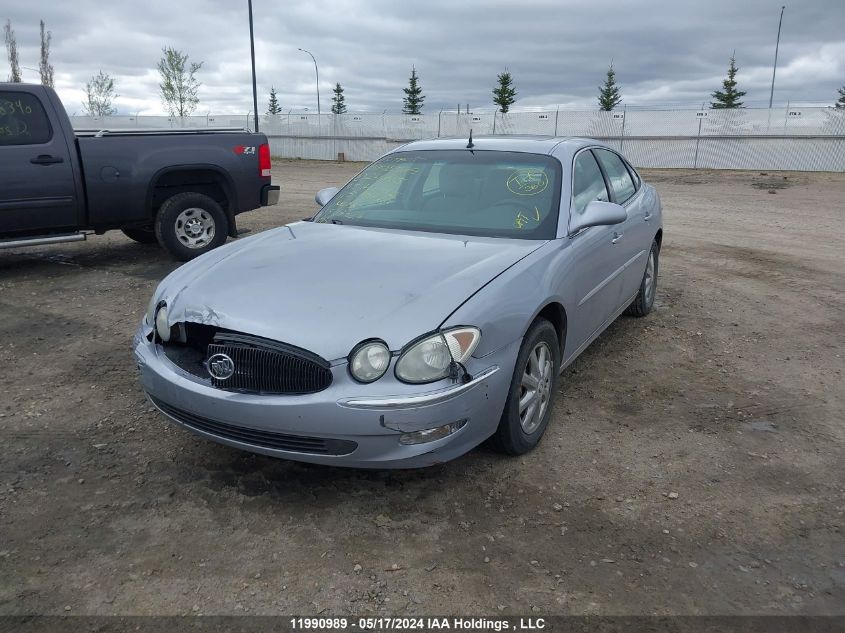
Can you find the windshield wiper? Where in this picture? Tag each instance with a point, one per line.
(337, 222)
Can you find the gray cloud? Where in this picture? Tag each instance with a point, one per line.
(664, 52)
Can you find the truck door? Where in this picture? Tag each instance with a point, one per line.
(37, 188)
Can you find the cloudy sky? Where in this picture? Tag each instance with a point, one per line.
(665, 52)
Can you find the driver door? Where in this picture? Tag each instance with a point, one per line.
(595, 280)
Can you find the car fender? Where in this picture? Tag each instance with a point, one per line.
(505, 308)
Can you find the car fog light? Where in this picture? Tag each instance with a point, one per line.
(429, 435)
(162, 329)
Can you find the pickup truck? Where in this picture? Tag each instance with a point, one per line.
(182, 188)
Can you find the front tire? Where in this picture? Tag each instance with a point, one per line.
(644, 301)
(532, 390)
(190, 224)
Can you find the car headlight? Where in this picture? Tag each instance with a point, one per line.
(162, 328)
(369, 360)
(431, 358)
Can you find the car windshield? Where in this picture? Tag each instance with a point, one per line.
(484, 193)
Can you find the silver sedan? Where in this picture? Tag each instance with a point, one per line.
(431, 304)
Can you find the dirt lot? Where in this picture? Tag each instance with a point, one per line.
(693, 463)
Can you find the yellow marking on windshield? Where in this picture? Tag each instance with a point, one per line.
(528, 182)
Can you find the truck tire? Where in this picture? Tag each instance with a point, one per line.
(190, 224)
(141, 234)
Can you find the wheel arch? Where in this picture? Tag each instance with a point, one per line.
(202, 178)
(555, 313)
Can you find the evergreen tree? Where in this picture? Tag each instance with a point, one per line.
(609, 93)
(412, 102)
(504, 94)
(729, 97)
(338, 100)
(12, 53)
(273, 106)
(45, 68)
(840, 103)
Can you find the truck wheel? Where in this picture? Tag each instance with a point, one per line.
(190, 224)
(141, 234)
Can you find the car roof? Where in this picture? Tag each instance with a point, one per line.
(530, 144)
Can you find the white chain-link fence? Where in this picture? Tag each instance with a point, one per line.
(811, 139)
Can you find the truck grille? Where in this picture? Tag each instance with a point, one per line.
(257, 437)
(268, 367)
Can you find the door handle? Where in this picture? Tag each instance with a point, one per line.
(616, 237)
(46, 159)
(647, 217)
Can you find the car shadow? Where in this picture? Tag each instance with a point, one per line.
(145, 261)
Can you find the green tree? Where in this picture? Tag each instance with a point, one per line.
(338, 100)
(273, 106)
(840, 103)
(412, 102)
(179, 85)
(99, 95)
(12, 53)
(729, 96)
(504, 94)
(610, 94)
(45, 68)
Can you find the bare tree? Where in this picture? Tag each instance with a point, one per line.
(179, 85)
(45, 67)
(12, 53)
(99, 95)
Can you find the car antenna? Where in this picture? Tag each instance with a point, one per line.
(470, 145)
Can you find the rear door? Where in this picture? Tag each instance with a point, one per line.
(633, 241)
(37, 187)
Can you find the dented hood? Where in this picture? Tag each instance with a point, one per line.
(325, 288)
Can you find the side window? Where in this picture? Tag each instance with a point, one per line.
(634, 175)
(587, 182)
(22, 120)
(617, 174)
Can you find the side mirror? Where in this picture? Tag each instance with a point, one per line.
(598, 213)
(324, 195)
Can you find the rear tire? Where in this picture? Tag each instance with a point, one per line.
(190, 224)
(526, 416)
(141, 234)
(644, 301)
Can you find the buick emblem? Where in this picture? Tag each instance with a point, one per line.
(221, 367)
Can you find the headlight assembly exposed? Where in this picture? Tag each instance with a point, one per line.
(151, 311)
(162, 328)
(369, 360)
(431, 358)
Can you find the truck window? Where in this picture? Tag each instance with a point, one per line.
(23, 120)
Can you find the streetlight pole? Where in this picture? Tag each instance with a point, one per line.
(316, 70)
(775, 67)
(252, 55)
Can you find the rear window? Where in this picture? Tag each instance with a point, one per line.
(22, 120)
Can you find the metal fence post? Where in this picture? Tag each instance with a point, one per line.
(557, 114)
(697, 141)
(439, 114)
(624, 117)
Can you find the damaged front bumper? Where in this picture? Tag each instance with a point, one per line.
(347, 424)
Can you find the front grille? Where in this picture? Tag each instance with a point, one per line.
(257, 437)
(262, 366)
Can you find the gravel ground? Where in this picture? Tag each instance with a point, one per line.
(693, 464)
